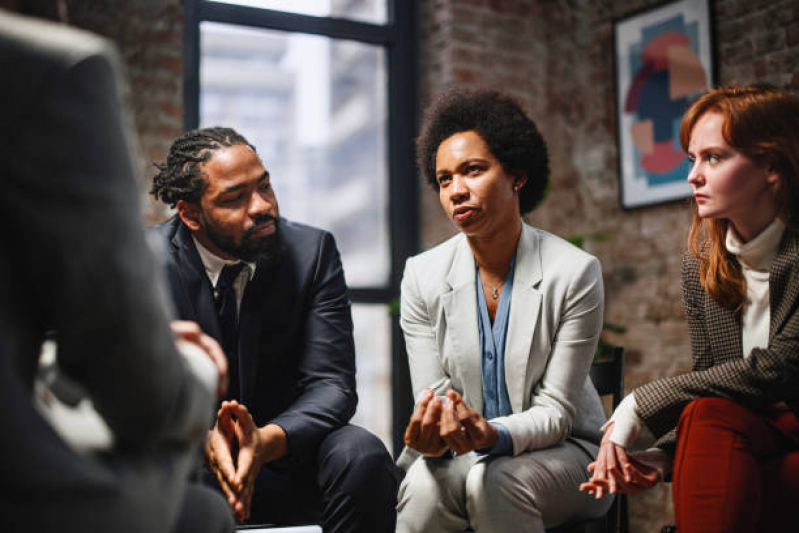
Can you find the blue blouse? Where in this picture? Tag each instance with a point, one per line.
(496, 401)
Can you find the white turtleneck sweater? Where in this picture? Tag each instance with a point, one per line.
(755, 258)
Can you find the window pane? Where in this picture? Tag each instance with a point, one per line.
(373, 11)
(373, 359)
(315, 108)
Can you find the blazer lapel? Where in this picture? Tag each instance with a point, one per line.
(524, 311)
(197, 286)
(459, 303)
(783, 290)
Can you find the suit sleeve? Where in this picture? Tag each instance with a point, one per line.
(697, 332)
(767, 376)
(550, 418)
(420, 340)
(92, 278)
(327, 368)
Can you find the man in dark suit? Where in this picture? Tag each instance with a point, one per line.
(273, 293)
(75, 262)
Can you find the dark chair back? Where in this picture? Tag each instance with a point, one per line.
(607, 375)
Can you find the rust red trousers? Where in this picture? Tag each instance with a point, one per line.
(736, 470)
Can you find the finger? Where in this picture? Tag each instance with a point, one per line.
(247, 453)
(452, 432)
(627, 469)
(429, 432)
(611, 468)
(186, 329)
(243, 416)
(230, 494)
(414, 425)
(454, 396)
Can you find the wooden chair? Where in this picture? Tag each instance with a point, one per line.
(608, 378)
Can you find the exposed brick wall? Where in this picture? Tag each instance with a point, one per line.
(149, 35)
(556, 57)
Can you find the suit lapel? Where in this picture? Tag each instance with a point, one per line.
(197, 286)
(524, 311)
(783, 289)
(459, 303)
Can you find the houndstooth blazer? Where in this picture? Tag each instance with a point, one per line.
(767, 376)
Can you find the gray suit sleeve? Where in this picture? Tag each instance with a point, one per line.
(93, 278)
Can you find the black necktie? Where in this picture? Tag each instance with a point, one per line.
(227, 308)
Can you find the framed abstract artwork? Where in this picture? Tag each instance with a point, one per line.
(664, 61)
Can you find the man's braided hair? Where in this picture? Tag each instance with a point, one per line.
(181, 176)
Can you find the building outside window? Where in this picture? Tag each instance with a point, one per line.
(324, 90)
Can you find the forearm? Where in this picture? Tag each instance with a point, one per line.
(275, 443)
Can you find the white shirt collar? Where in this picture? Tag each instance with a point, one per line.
(214, 264)
(758, 253)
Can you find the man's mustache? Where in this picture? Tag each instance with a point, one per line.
(260, 221)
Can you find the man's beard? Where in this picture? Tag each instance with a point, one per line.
(266, 250)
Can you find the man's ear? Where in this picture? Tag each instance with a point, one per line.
(189, 213)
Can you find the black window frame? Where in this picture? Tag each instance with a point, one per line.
(398, 37)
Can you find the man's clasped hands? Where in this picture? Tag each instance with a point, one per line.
(236, 448)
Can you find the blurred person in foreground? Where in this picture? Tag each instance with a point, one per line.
(728, 430)
(75, 262)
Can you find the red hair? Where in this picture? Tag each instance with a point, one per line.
(762, 123)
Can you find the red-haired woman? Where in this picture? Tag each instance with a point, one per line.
(728, 430)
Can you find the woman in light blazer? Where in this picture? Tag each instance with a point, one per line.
(501, 323)
(729, 430)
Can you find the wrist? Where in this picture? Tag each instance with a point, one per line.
(274, 443)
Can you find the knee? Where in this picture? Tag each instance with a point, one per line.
(354, 458)
(716, 420)
(497, 481)
(721, 412)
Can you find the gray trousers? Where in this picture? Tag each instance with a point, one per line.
(522, 494)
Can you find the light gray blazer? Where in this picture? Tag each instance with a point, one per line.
(555, 321)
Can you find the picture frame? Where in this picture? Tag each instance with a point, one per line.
(664, 60)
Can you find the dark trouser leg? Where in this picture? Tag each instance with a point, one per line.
(720, 475)
(281, 496)
(359, 481)
(352, 488)
(204, 509)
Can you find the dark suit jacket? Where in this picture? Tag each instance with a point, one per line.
(75, 260)
(767, 376)
(296, 353)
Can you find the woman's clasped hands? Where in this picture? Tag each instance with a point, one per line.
(616, 471)
(441, 423)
